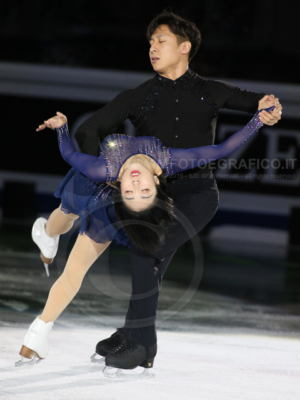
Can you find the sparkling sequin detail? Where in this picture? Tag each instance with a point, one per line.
(197, 90)
(150, 101)
(158, 89)
(251, 128)
(116, 148)
(99, 190)
(63, 131)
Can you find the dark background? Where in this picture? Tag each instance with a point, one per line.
(247, 40)
(254, 40)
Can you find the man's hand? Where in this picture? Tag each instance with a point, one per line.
(54, 122)
(270, 118)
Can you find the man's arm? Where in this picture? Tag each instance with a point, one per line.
(183, 159)
(99, 125)
(231, 97)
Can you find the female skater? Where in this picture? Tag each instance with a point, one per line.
(137, 163)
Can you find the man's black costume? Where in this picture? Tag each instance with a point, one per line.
(182, 114)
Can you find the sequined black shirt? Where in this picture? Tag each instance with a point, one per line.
(181, 113)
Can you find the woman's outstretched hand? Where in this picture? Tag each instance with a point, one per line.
(54, 122)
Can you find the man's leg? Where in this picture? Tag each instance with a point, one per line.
(194, 210)
(147, 276)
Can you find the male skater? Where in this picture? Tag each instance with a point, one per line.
(181, 109)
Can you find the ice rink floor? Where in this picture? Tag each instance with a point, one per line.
(189, 365)
(213, 346)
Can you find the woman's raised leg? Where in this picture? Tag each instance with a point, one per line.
(59, 223)
(45, 234)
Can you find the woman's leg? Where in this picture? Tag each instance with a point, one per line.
(84, 253)
(59, 223)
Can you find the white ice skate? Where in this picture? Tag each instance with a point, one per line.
(35, 346)
(46, 244)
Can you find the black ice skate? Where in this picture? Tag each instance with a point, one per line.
(130, 355)
(107, 346)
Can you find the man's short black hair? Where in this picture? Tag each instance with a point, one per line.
(182, 28)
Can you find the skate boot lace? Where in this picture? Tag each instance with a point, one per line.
(114, 339)
(126, 348)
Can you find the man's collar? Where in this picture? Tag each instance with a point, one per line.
(186, 75)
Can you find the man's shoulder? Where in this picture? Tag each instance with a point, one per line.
(214, 84)
(145, 85)
(137, 93)
(227, 95)
(208, 83)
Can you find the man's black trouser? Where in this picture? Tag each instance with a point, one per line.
(197, 198)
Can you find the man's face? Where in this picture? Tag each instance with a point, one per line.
(165, 53)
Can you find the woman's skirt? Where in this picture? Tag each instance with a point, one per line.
(93, 203)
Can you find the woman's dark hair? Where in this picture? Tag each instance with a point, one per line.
(147, 228)
(182, 28)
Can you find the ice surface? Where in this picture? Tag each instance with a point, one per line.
(189, 365)
(215, 348)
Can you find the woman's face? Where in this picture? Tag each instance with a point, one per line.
(138, 187)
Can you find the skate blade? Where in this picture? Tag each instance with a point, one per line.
(22, 363)
(47, 262)
(47, 269)
(117, 373)
(97, 360)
